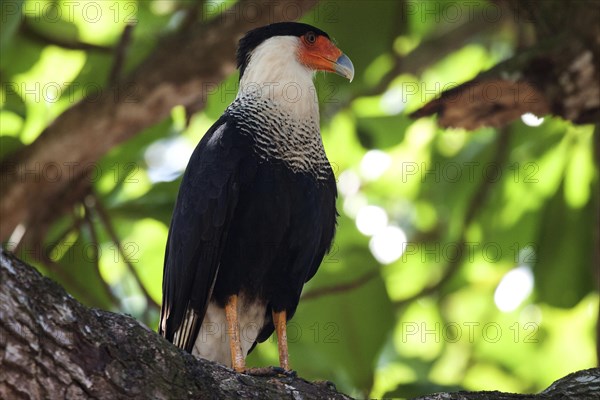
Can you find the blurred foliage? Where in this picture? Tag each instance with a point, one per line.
(472, 205)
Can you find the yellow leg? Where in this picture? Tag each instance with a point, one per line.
(280, 321)
(233, 328)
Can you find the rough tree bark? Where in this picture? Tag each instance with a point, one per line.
(560, 75)
(53, 347)
(182, 70)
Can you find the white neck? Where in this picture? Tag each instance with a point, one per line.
(274, 73)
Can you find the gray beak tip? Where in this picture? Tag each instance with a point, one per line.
(344, 67)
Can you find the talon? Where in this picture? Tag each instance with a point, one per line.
(290, 373)
(279, 370)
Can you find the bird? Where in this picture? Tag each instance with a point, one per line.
(256, 209)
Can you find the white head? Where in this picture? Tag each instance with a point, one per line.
(278, 62)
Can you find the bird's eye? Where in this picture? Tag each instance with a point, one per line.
(311, 37)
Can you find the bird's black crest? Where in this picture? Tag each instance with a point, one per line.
(256, 36)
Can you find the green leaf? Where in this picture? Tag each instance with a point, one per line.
(79, 272)
(11, 18)
(382, 132)
(157, 203)
(8, 145)
(347, 24)
(564, 269)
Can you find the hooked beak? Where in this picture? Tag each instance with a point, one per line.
(344, 67)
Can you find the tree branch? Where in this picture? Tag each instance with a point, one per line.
(112, 233)
(29, 32)
(342, 287)
(583, 384)
(89, 223)
(51, 346)
(560, 75)
(192, 14)
(120, 54)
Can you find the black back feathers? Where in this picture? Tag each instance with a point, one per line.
(255, 37)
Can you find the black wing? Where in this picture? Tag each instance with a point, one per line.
(323, 211)
(207, 197)
(329, 219)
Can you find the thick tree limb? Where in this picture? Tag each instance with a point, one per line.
(183, 69)
(578, 385)
(560, 75)
(51, 346)
(583, 384)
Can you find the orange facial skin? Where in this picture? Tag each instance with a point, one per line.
(318, 53)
